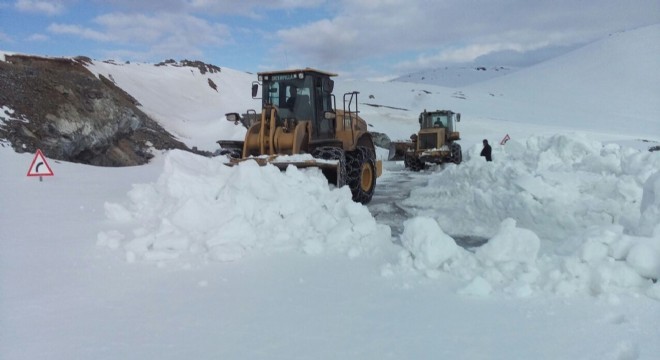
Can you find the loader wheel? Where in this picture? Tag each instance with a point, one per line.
(361, 171)
(456, 155)
(413, 163)
(336, 177)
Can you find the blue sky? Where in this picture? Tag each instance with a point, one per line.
(360, 38)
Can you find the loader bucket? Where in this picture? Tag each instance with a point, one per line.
(398, 150)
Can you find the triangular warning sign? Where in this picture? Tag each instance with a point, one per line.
(39, 166)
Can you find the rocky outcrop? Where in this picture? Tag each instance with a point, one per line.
(57, 105)
(203, 67)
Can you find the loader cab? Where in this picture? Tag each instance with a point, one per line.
(437, 129)
(443, 119)
(300, 95)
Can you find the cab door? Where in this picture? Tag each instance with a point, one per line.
(324, 128)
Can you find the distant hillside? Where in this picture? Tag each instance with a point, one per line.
(456, 76)
(614, 82)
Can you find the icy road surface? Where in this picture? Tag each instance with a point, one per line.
(395, 185)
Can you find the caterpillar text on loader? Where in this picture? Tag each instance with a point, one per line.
(434, 143)
(300, 125)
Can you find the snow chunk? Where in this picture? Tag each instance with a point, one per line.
(477, 287)
(428, 244)
(645, 259)
(510, 244)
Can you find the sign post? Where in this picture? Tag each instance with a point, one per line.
(39, 166)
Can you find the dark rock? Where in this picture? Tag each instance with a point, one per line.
(60, 107)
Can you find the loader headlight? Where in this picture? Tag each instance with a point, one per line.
(234, 117)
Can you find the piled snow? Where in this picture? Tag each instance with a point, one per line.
(556, 186)
(430, 245)
(561, 215)
(510, 244)
(201, 209)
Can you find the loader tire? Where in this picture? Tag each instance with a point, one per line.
(361, 172)
(456, 154)
(338, 177)
(413, 163)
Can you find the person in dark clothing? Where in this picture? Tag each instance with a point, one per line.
(293, 92)
(486, 152)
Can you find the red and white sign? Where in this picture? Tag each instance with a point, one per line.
(39, 166)
(505, 139)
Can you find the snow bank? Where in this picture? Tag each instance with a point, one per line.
(561, 214)
(564, 215)
(202, 209)
(609, 262)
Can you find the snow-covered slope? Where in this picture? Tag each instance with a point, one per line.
(182, 100)
(456, 76)
(614, 83)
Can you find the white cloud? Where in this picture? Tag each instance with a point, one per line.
(5, 38)
(178, 33)
(455, 30)
(224, 7)
(345, 35)
(38, 37)
(151, 37)
(45, 7)
(79, 31)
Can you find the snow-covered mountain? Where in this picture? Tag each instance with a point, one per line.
(613, 82)
(187, 258)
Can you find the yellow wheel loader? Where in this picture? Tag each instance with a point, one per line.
(300, 125)
(434, 143)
